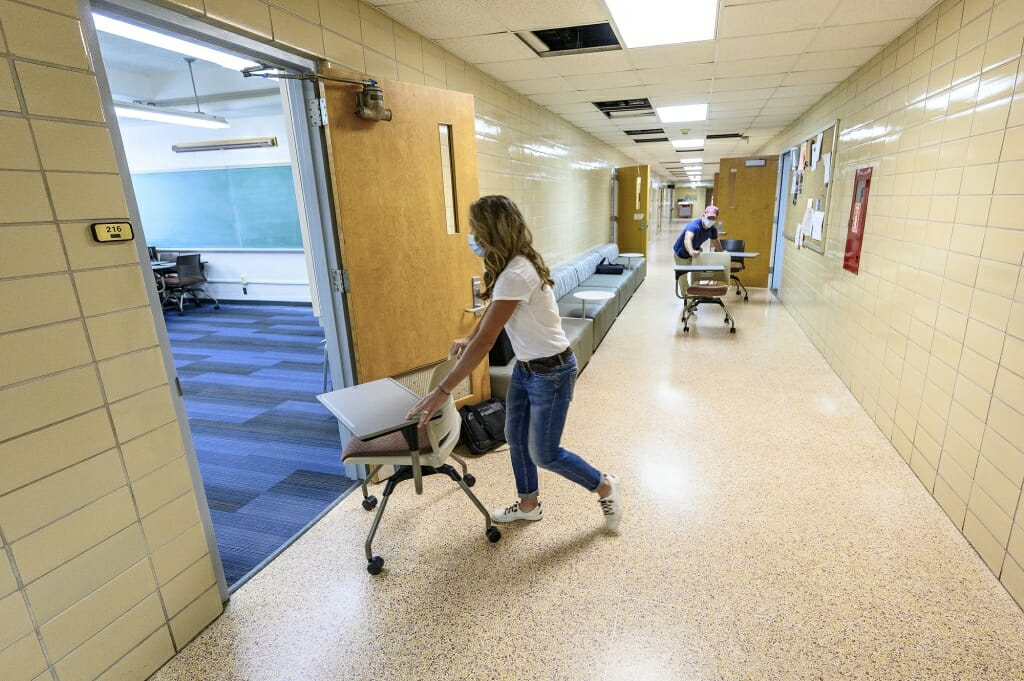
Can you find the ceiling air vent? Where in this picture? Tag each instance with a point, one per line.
(549, 42)
(648, 131)
(726, 136)
(651, 139)
(625, 108)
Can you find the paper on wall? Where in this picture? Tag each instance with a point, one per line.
(816, 150)
(817, 223)
(827, 160)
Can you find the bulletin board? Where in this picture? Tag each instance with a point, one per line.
(811, 178)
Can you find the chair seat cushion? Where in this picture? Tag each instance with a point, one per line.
(712, 290)
(737, 266)
(392, 444)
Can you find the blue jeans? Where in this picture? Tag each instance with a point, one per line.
(535, 411)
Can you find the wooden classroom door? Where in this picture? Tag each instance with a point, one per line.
(633, 201)
(408, 262)
(745, 195)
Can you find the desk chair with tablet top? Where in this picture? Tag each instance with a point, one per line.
(705, 287)
(436, 441)
(187, 279)
(737, 246)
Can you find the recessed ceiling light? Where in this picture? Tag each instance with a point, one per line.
(167, 42)
(643, 23)
(683, 113)
(691, 161)
(694, 143)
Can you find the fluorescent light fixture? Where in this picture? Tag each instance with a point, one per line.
(695, 167)
(224, 145)
(691, 161)
(694, 143)
(643, 23)
(167, 42)
(163, 114)
(682, 114)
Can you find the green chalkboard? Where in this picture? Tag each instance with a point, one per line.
(250, 207)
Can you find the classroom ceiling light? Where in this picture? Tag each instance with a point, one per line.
(225, 145)
(683, 113)
(643, 23)
(693, 143)
(691, 161)
(150, 37)
(163, 114)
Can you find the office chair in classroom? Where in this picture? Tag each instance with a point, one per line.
(187, 279)
(705, 287)
(737, 246)
(436, 441)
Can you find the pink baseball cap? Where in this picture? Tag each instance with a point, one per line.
(711, 211)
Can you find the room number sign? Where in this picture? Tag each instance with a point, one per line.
(112, 231)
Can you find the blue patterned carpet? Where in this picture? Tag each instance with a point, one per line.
(268, 451)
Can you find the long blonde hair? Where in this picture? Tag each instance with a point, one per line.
(501, 230)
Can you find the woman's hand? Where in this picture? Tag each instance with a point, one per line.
(428, 406)
(458, 346)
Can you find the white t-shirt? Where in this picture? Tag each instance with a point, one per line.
(535, 328)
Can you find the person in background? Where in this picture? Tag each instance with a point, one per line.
(519, 287)
(696, 233)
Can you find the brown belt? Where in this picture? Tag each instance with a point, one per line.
(548, 363)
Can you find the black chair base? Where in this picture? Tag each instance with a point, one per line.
(402, 473)
(739, 285)
(690, 309)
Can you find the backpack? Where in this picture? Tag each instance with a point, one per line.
(483, 425)
(608, 267)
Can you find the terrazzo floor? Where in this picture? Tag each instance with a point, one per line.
(771, 533)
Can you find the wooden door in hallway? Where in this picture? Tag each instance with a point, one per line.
(745, 195)
(408, 263)
(633, 208)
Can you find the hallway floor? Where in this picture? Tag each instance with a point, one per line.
(771, 533)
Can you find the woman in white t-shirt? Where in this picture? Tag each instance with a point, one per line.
(519, 287)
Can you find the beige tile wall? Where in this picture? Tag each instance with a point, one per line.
(930, 335)
(104, 570)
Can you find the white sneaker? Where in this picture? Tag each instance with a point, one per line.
(611, 505)
(512, 513)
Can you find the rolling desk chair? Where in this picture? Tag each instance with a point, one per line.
(705, 287)
(187, 279)
(738, 246)
(436, 441)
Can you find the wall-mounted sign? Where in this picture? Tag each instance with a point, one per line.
(112, 231)
(858, 211)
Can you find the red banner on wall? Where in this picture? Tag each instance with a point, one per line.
(855, 228)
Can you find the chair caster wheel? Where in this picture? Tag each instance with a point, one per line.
(745, 298)
(469, 479)
(216, 307)
(375, 565)
(737, 293)
(369, 503)
(686, 329)
(732, 330)
(493, 534)
(726, 320)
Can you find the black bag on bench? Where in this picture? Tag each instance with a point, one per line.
(483, 425)
(605, 267)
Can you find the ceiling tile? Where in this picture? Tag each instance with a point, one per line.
(593, 62)
(696, 92)
(854, 11)
(519, 69)
(761, 94)
(629, 92)
(753, 83)
(597, 81)
(773, 17)
(539, 85)
(877, 34)
(562, 97)
(672, 74)
(834, 76)
(761, 46)
(481, 49)
(678, 56)
(436, 19)
(528, 15)
(754, 67)
(816, 91)
(834, 59)
(571, 108)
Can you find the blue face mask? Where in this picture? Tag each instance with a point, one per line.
(477, 249)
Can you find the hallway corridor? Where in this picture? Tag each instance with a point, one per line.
(771, 532)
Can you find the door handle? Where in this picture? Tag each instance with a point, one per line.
(478, 310)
